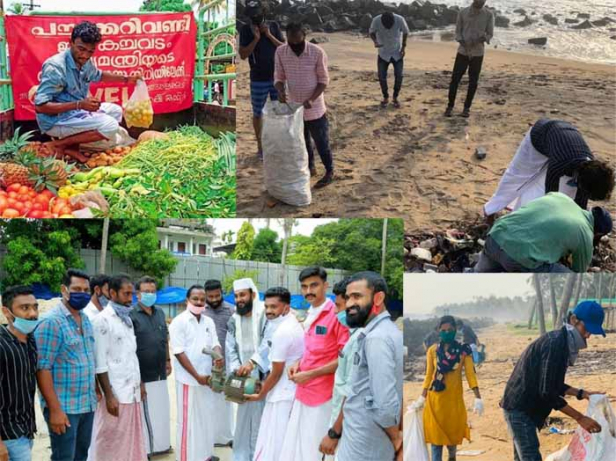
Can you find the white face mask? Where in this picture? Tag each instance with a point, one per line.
(277, 321)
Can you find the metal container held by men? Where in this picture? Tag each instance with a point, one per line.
(237, 386)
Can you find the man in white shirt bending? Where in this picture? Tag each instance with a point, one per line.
(190, 333)
(287, 347)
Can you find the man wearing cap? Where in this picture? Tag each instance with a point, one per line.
(538, 235)
(258, 42)
(537, 384)
(244, 355)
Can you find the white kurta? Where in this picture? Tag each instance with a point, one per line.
(524, 180)
(306, 429)
(156, 417)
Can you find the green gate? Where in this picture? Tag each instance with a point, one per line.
(6, 89)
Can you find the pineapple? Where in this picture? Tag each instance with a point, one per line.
(10, 148)
(10, 172)
(44, 172)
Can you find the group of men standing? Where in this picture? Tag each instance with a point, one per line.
(101, 362)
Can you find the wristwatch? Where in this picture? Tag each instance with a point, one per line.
(580, 394)
(332, 434)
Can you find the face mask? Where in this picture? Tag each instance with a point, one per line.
(103, 300)
(277, 321)
(575, 342)
(148, 299)
(23, 325)
(447, 336)
(342, 318)
(246, 309)
(298, 48)
(79, 300)
(197, 310)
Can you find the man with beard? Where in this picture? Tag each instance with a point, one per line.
(324, 338)
(99, 292)
(118, 431)
(258, 43)
(302, 66)
(245, 335)
(190, 334)
(371, 427)
(474, 28)
(287, 346)
(220, 312)
(537, 383)
(66, 373)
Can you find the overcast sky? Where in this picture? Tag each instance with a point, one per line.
(304, 227)
(424, 292)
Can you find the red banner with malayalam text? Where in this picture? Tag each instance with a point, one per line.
(160, 46)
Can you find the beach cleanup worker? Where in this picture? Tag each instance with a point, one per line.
(389, 32)
(66, 373)
(189, 333)
(152, 336)
(553, 157)
(474, 28)
(469, 337)
(538, 235)
(18, 359)
(370, 421)
(63, 108)
(314, 374)
(220, 311)
(302, 66)
(245, 356)
(118, 432)
(444, 415)
(278, 391)
(99, 295)
(258, 42)
(537, 384)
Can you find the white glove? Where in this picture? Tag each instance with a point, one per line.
(478, 407)
(419, 403)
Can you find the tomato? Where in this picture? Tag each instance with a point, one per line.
(47, 215)
(23, 190)
(13, 194)
(3, 193)
(58, 204)
(66, 210)
(47, 193)
(19, 206)
(32, 194)
(36, 214)
(13, 187)
(4, 203)
(36, 206)
(11, 213)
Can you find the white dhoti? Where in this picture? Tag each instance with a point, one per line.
(272, 430)
(223, 409)
(524, 180)
(247, 430)
(195, 423)
(306, 429)
(156, 418)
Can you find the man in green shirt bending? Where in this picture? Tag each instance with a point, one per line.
(538, 235)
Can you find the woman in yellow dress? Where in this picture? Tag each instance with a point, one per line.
(444, 414)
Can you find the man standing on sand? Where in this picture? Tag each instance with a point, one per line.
(324, 338)
(537, 236)
(63, 108)
(389, 32)
(258, 43)
(220, 311)
(537, 383)
(474, 28)
(302, 66)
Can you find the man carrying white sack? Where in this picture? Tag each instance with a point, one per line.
(245, 356)
(278, 391)
(190, 333)
(553, 157)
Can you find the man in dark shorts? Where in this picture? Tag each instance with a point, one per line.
(258, 42)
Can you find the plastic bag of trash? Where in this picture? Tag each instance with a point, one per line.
(585, 446)
(138, 110)
(414, 444)
(285, 159)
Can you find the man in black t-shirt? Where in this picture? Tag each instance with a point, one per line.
(258, 42)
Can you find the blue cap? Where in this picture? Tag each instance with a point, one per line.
(591, 313)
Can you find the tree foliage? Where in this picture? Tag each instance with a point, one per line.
(227, 281)
(245, 242)
(176, 6)
(266, 247)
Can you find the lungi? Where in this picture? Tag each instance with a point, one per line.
(156, 417)
(195, 423)
(306, 429)
(272, 430)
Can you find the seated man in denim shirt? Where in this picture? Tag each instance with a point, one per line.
(63, 108)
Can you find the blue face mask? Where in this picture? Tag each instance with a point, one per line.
(78, 301)
(342, 318)
(25, 326)
(148, 299)
(103, 300)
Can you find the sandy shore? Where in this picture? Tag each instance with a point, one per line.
(489, 432)
(413, 162)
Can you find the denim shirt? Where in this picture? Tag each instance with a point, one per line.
(375, 399)
(62, 81)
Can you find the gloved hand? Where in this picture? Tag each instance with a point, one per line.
(478, 407)
(419, 403)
